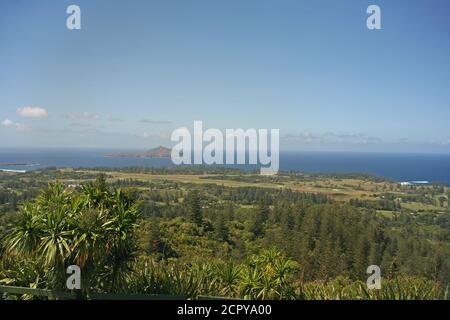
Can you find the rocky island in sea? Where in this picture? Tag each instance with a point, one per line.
(159, 152)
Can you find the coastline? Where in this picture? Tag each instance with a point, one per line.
(13, 171)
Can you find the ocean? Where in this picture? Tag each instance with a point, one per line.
(398, 167)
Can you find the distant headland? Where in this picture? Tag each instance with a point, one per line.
(23, 164)
(159, 152)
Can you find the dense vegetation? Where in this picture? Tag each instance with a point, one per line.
(168, 237)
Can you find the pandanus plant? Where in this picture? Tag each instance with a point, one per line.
(268, 275)
(93, 229)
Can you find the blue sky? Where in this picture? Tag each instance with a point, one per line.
(139, 69)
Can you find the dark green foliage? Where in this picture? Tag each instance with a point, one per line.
(259, 220)
(195, 207)
(92, 228)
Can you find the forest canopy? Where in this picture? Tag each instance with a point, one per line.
(250, 242)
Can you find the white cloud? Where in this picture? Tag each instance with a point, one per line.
(22, 126)
(32, 112)
(155, 121)
(90, 116)
(83, 116)
(7, 123)
(154, 135)
(331, 137)
(15, 125)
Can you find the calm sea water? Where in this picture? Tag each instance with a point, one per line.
(400, 167)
